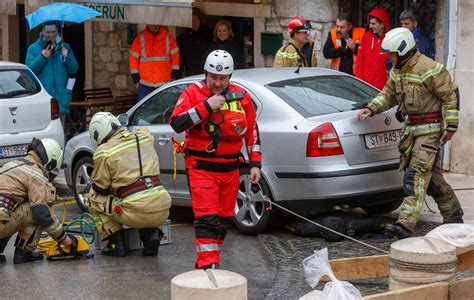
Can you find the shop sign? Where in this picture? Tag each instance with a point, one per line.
(109, 12)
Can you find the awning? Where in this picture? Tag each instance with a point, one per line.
(8, 7)
(159, 12)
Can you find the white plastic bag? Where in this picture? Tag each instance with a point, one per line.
(315, 267)
(460, 236)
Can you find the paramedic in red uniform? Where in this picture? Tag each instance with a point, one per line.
(217, 117)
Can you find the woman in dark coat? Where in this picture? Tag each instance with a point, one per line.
(224, 40)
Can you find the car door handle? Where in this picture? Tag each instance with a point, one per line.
(163, 140)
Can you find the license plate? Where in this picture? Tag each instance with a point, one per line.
(12, 151)
(383, 139)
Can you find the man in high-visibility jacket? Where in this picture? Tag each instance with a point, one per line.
(126, 189)
(154, 59)
(217, 117)
(26, 199)
(342, 44)
(429, 105)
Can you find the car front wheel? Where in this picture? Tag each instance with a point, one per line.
(253, 212)
(82, 178)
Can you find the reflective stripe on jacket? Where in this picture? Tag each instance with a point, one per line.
(152, 58)
(427, 87)
(290, 55)
(116, 162)
(357, 35)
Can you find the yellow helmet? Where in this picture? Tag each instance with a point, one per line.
(102, 126)
(50, 153)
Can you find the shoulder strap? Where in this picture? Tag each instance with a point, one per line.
(139, 155)
(299, 53)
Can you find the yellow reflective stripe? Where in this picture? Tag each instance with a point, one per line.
(381, 103)
(422, 129)
(121, 147)
(33, 173)
(155, 191)
(287, 55)
(233, 106)
(100, 220)
(415, 77)
(410, 210)
(451, 114)
(53, 228)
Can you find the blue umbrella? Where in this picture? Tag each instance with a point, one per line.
(62, 12)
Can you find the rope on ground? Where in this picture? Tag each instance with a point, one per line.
(322, 226)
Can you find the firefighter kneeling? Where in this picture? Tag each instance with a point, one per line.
(126, 189)
(26, 199)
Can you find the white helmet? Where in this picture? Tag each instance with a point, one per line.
(219, 62)
(102, 126)
(398, 40)
(50, 153)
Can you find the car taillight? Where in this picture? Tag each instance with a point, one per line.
(54, 109)
(323, 141)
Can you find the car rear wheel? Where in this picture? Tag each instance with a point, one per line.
(82, 177)
(383, 208)
(253, 213)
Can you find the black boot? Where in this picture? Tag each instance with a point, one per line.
(398, 230)
(151, 238)
(3, 245)
(24, 256)
(115, 245)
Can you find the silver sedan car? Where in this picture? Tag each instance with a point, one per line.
(316, 156)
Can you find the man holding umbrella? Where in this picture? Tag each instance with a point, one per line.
(53, 61)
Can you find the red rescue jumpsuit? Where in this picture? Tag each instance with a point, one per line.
(212, 147)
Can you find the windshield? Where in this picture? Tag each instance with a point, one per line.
(18, 83)
(321, 95)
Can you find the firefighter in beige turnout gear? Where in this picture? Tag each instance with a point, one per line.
(126, 189)
(429, 105)
(26, 199)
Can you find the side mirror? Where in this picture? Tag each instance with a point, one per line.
(123, 119)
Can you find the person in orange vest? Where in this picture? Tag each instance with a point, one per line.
(342, 44)
(154, 59)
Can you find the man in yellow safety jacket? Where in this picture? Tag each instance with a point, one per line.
(429, 105)
(126, 188)
(154, 59)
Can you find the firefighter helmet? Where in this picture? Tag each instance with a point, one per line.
(219, 62)
(50, 153)
(102, 126)
(299, 24)
(399, 40)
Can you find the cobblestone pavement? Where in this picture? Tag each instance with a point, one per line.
(288, 252)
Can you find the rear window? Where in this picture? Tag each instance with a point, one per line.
(18, 83)
(321, 95)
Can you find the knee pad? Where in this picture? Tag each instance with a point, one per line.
(409, 182)
(207, 226)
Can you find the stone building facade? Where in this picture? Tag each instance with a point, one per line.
(110, 56)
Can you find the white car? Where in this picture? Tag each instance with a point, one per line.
(27, 111)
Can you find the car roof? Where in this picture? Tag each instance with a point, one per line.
(263, 76)
(10, 64)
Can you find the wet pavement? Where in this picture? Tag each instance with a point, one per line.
(271, 262)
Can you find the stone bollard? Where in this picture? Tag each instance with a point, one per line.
(420, 260)
(212, 284)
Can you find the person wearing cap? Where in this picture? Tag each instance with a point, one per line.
(428, 104)
(298, 52)
(53, 62)
(217, 117)
(371, 64)
(26, 201)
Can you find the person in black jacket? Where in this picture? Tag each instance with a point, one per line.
(193, 45)
(224, 40)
